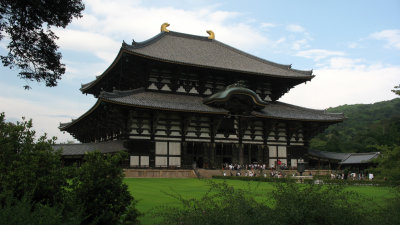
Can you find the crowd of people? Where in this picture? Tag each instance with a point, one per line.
(352, 176)
(252, 170)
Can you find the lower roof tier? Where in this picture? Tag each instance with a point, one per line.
(141, 99)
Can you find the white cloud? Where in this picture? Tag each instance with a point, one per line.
(342, 63)
(392, 37)
(318, 54)
(295, 28)
(346, 81)
(123, 20)
(46, 118)
(300, 44)
(353, 45)
(268, 25)
(100, 45)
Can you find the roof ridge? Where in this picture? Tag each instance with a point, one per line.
(145, 43)
(310, 109)
(282, 66)
(120, 93)
(136, 45)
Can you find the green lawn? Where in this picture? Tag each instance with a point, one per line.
(151, 192)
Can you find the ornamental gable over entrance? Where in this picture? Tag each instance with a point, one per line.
(177, 98)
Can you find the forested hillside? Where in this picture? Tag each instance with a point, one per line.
(366, 125)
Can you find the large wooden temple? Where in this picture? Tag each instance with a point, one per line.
(177, 99)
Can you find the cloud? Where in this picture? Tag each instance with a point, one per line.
(318, 54)
(341, 63)
(100, 45)
(124, 20)
(392, 37)
(295, 28)
(346, 81)
(47, 122)
(268, 25)
(47, 108)
(299, 44)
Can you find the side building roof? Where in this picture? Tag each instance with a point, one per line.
(345, 158)
(199, 51)
(80, 149)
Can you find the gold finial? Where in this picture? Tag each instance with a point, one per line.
(164, 27)
(212, 35)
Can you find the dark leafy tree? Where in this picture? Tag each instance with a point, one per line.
(29, 166)
(26, 25)
(99, 186)
(388, 162)
(396, 90)
(25, 212)
(366, 126)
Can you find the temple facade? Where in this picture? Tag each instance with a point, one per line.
(179, 99)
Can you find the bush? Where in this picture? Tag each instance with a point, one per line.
(262, 179)
(99, 187)
(390, 213)
(291, 204)
(222, 204)
(317, 204)
(24, 212)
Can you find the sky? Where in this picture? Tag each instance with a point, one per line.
(353, 48)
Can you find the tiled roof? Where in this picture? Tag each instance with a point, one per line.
(358, 158)
(280, 110)
(156, 100)
(329, 155)
(140, 98)
(345, 158)
(200, 51)
(81, 149)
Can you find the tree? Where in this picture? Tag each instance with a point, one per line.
(99, 186)
(396, 90)
(27, 27)
(35, 186)
(29, 166)
(388, 162)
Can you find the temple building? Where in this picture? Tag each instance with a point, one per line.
(179, 99)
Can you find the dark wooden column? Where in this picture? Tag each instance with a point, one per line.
(152, 154)
(212, 155)
(249, 156)
(235, 153)
(260, 157)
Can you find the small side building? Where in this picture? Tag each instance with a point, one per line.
(339, 161)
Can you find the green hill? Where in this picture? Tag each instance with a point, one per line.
(366, 125)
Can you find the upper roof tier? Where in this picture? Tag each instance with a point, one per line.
(202, 52)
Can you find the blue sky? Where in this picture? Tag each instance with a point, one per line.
(352, 46)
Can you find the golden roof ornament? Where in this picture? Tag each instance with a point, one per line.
(212, 35)
(164, 27)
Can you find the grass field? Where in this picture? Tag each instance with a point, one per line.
(152, 192)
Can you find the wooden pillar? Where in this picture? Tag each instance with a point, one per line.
(260, 154)
(206, 155)
(235, 153)
(152, 155)
(241, 154)
(249, 157)
(213, 164)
